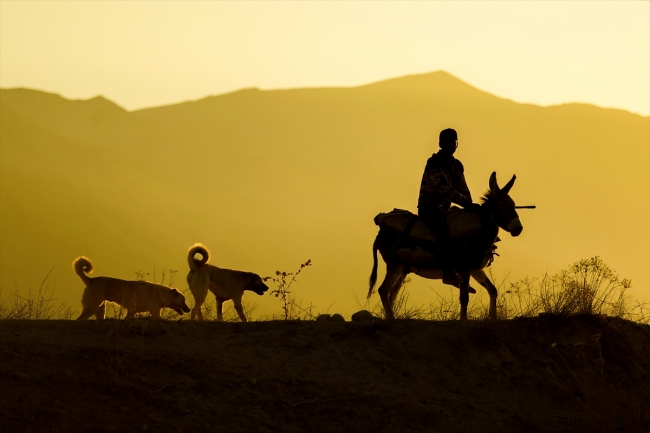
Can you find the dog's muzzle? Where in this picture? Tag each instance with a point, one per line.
(182, 310)
(260, 288)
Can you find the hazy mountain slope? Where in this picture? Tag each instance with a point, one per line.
(60, 197)
(268, 179)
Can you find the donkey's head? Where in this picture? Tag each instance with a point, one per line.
(502, 207)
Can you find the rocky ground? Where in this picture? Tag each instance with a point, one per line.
(547, 374)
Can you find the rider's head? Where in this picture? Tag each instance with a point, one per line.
(448, 140)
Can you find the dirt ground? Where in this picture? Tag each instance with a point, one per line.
(547, 374)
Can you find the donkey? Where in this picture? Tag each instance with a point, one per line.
(469, 255)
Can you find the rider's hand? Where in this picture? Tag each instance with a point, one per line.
(473, 207)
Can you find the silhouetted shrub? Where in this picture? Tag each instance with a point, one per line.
(292, 309)
(34, 306)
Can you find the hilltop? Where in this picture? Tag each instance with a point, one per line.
(549, 374)
(269, 179)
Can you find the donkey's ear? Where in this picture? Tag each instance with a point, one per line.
(506, 188)
(493, 182)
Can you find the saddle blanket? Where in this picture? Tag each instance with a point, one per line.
(461, 223)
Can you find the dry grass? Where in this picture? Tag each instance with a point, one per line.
(590, 287)
(34, 306)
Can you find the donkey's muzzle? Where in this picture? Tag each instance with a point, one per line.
(514, 227)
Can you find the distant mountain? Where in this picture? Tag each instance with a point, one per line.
(268, 179)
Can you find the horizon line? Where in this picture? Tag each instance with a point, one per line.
(277, 89)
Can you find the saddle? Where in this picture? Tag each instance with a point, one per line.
(417, 243)
(460, 222)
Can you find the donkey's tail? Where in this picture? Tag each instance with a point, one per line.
(373, 275)
(83, 265)
(197, 249)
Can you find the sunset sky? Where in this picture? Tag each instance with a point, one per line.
(142, 54)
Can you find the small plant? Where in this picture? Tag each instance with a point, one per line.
(36, 306)
(140, 276)
(284, 280)
(589, 287)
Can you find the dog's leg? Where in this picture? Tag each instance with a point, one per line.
(101, 312)
(219, 310)
(240, 310)
(85, 313)
(155, 314)
(198, 303)
(130, 314)
(199, 288)
(196, 312)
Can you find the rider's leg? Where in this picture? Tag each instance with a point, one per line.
(436, 219)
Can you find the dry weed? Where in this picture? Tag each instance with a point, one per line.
(284, 280)
(590, 287)
(34, 306)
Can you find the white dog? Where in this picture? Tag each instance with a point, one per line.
(135, 296)
(225, 284)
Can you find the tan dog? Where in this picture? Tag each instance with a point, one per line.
(225, 284)
(135, 296)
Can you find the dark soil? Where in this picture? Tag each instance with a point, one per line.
(548, 374)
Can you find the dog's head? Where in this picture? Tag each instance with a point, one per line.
(177, 302)
(256, 284)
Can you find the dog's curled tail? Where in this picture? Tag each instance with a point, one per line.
(82, 266)
(197, 249)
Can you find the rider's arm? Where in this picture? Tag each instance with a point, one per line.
(462, 185)
(438, 181)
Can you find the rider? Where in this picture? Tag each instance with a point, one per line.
(443, 183)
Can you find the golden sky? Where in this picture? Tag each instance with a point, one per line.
(143, 54)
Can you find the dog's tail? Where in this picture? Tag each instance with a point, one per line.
(82, 266)
(197, 249)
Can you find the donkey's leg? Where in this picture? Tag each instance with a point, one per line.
(464, 294)
(482, 278)
(393, 272)
(397, 286)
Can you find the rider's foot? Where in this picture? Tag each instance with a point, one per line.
(471, 289)
(450, 277)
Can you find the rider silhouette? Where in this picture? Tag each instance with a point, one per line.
(443, 183)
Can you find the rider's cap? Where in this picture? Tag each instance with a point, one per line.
(448, 135)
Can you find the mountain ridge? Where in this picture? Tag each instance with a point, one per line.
(412, 83)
